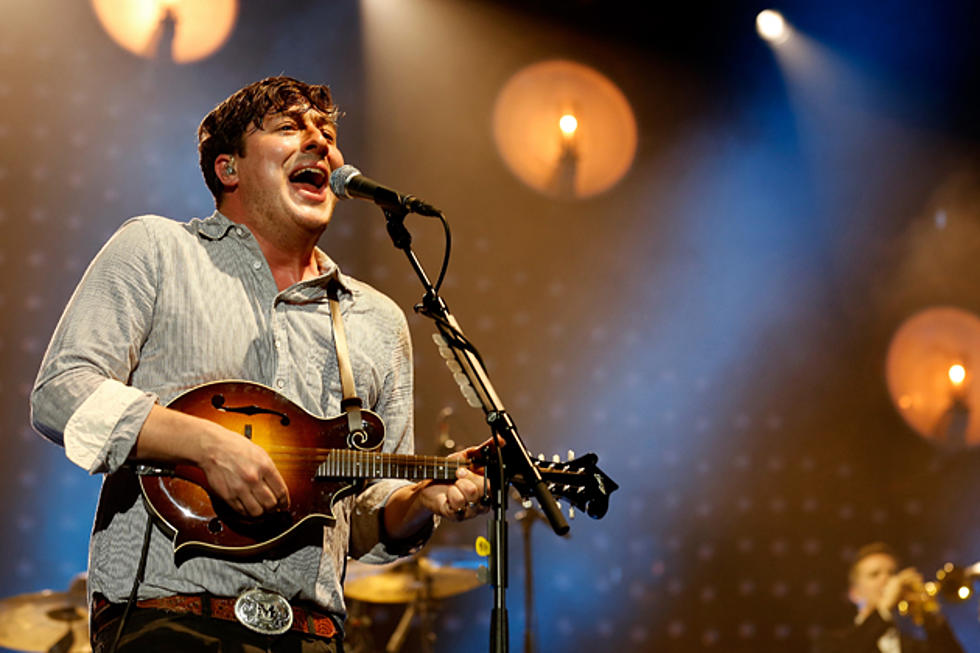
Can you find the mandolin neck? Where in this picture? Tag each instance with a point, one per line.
(341, 463)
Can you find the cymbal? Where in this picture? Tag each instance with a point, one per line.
(444, 574)
(35, 622)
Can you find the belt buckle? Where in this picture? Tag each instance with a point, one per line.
(264, 612)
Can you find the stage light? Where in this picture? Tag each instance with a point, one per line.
(592, 148)
(772, 26)
(957, 374)
(568, 124)
(928, 375)
(175, 30)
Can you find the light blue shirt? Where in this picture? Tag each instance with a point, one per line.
(167, 306)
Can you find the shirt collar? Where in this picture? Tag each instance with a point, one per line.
(217, 226)
(330, 270)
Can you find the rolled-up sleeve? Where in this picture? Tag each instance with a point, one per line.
(369, 541)
(81, 398)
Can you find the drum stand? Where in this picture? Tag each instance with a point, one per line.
(419, 605)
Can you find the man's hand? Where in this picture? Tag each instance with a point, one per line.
(462, 499)
(243, 474)
(239, 471)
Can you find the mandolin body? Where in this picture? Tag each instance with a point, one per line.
(180, 499)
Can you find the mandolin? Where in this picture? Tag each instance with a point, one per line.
(321, 461)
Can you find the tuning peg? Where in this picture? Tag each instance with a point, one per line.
(571, 455)
(541, 457)
(527, 503)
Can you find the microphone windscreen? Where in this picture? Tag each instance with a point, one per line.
(339, 179)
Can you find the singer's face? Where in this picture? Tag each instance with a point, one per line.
(284, 169)
(870, 576)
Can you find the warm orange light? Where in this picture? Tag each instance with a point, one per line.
(178, 30)
(568, 124)
(926, 371)
(524, 129)
(956, 374)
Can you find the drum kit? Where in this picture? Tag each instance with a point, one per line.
(57, 622)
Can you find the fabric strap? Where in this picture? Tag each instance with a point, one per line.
(351, 403)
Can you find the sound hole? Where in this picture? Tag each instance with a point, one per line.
(218, 401)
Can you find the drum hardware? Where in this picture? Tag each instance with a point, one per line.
(526, 518)
(47, 621)
(417, 582)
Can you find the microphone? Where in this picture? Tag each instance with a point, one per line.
(347, 182)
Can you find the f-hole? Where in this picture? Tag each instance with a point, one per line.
(218, 401)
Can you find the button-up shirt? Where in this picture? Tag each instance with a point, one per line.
(167, 306)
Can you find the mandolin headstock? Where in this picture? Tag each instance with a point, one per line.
(578, 481)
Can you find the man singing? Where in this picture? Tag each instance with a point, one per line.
(242, 294)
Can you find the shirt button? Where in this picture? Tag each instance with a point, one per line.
(277, 343)
(280, 383)
(256, 264)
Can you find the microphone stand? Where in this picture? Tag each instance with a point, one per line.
(510, 462)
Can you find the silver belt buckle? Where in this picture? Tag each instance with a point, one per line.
(264, 612)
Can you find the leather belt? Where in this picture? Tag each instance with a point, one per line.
(307, 621)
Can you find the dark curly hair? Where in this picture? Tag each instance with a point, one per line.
(223, 130)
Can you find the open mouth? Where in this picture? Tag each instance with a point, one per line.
(310, 179)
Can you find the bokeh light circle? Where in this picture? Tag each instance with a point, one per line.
(917, 368)
(525, 126)
(197, 28)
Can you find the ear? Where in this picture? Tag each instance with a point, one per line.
(224, 168)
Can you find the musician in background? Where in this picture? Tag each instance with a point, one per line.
(876, 587)
(241, 294)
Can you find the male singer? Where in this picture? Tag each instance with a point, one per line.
(241, 294)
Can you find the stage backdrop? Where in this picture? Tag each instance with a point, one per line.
(714, 326)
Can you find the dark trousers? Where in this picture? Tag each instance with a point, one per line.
(157, 631)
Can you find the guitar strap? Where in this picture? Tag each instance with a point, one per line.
(351, 403)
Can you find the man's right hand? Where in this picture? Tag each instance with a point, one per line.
(238, 470)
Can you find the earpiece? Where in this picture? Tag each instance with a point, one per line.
(230, 167)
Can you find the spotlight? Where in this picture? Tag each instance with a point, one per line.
(568, 124)
(772, 26)
(957, 374)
